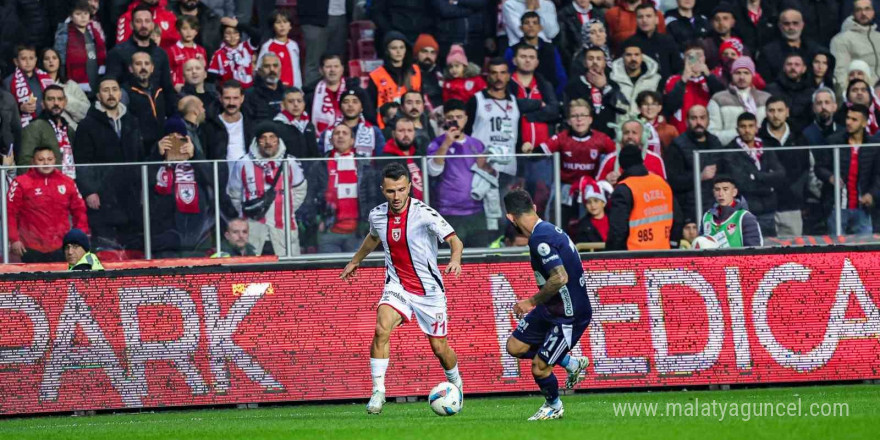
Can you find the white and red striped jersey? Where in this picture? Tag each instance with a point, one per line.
(411, 240)
(288, 55)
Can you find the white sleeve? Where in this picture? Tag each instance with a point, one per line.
(373, 231)
(549, 21)
(437, 224)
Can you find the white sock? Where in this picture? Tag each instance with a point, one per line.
(377, 370)
(453, 376)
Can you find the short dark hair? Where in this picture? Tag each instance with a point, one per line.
(276, 14)
(403, 97)
(794, 54)
(723, 178)
(22, 47)
(746, 116)
(775, 99)
(646, 5)
(105, 78)
(51, 87)
(43, 147)
(645, 94)
(859, 108)
(191, 20)
(290, 90)
(498, 61)
(521, 46)
(628, 44)
(593, 49)
(518, 202)
(454, 104)
(141, 51)
(528, 15)
(329, 56)
(231, 84)
(397, 122)
(142, 7)
(80, 5)
(394, 171)
(694, 45)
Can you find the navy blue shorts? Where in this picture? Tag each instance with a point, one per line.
(552, 336)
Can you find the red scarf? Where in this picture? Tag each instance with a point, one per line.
(415, 172)
(754, 153)
(288, 118)
(259, 174)
(534, 132)
(325, 107)
(342, 191)
(78, 57)
(66, 149)
(755, 17)
(183, 183)
(852, 180)
(23, 93)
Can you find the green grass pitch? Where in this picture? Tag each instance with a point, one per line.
(587, 416)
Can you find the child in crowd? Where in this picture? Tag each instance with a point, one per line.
(26, 83)
(286, 49)
(234, 59)
(650, 105)
(186, 49)
(593, 227)
(81, 46)
(462, 79)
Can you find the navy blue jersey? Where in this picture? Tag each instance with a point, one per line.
(549, 247)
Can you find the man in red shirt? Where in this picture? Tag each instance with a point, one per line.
(164, 19)
(581, 149)
(41, 203)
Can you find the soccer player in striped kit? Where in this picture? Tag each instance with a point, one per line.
(410, 231)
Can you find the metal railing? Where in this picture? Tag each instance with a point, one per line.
(835, 151)
(286, 172)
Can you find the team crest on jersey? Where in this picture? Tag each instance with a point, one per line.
(543, 249)
(731, 228)
(395, 234)
(62, 189)
(594, 154)
(164, 25)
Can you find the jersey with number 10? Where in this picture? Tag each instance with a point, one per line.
(549, 247)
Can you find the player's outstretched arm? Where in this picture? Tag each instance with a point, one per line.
(558, 278)
(369, 244)
(456, 246)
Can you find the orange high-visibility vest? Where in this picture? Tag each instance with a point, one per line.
(389, 91)
(650, 221)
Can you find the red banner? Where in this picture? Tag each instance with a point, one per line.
(286, 335)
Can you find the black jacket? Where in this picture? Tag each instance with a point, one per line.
(262, 103)
(34, 18)
(315, 207)
(411, 17)
(430, 87)
(149, 107)
(756, 36)
(462, 23)
(773, 54)
(661, 48)
(815, 134)
(869, 167)
(302, 144)
(549, 65)
(620, 206)
(757, 186)
(684, 30)
(210, 98)
(163, 207)
(799, 96)
(314, 12)
(215, 141)
(10, 36)
(822, 18)
(679, 161)
(569, 39)
(792, 193)
(751, 230)
(613, 101)
(549, 111)
(95, 142)
(586, 232)
(10, 122)
(210, 31)
(119, 58)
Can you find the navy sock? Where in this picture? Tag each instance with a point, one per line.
(549, 388)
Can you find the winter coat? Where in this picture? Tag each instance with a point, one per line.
(163, 207)
(411, 17)
(855, 42)
(679, 161)
(621, 24)
(725, 107)
(822, 18)
(10, 125)
(799, 96)
(614, 103)
(755, 36)
(119, 59)
(463, 89)
(301, 144)
(684, 30)
(34, 18)
(150, 109)
(462, 22)
(758, 186)
(568, 42)
(869, 167)
(10, 36)
(649, 80)
(96, 142)
(661, 48)
(41, 207)
(262, 103)
(40, 133)
(315, 12)
(751, 230)
(792, 193)
(772, 56)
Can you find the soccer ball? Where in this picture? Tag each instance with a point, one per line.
(445, 399)
(705, 242)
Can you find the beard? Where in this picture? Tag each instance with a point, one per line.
(189, 6)
(631, 144)
(427, 64)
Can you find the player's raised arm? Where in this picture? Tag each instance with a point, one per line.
(558, 278)
(456, 246)
(369, 244)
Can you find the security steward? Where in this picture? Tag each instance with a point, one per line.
(641, 208)
(76, 251)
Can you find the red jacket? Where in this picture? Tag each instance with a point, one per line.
(40, 207)
(462, 89)
(164, 19)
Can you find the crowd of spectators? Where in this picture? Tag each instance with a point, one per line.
(272, 87)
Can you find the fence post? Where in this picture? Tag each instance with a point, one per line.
(425, 184)
(217, 233)
(557, 189)
(145, 192)
(286, 221)
(837, 202)
(698, 188)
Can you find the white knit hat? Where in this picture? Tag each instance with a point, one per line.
(861, 66)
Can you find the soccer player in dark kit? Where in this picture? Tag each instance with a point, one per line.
(553, 320)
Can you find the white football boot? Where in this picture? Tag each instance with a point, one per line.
(547, 412)
(580, 374)
(374, 406)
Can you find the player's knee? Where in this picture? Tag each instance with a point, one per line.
(383, 331)
(515, 348)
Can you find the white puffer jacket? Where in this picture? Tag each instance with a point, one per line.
(855, 42)
(649, 80)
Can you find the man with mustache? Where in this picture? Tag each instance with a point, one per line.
(110, 134)
(679, 160)
(146, 101)
(51, 130)
(226, 137)
(263, 100)
(368, 138)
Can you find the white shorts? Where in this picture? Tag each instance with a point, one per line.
(430, 311)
